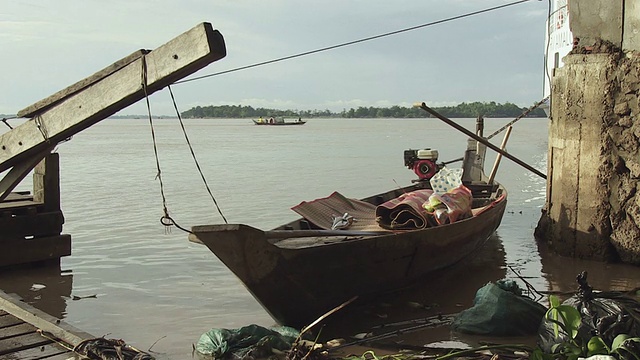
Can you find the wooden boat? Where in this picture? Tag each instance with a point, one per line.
(278, 122)
(299, 271)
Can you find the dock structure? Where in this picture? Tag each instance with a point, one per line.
(32, 223)
(28, 333)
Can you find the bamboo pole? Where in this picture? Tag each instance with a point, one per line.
(494, 170)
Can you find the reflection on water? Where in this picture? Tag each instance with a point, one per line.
(561, 273)
(446, 292)
(48, 288)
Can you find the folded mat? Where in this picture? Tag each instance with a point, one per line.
(322, 211)
(405, 212)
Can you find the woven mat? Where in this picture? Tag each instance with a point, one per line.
(321, 211)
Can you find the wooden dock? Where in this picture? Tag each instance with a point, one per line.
(31, 223)
(31, 227)
(28, 333)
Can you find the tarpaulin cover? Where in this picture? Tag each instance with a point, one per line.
(321, 212)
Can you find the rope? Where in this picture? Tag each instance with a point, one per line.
(193, 155)
(4, 120)
(354, 41)
(40, 126)
(166, 219)
(525, 113)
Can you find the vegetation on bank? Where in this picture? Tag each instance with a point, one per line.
(464, 110)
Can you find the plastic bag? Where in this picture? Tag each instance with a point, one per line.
(603, 314)
(446, 180)
(252, 340)
(500, 309)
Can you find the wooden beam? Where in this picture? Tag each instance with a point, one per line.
(42, 320)
(36, 225)
(25, 251)
(47, 102)
(72, 113)
(46, 182)
(20, 171)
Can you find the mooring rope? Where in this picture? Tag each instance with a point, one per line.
(525, 113)
(4, 120)
(193, 155)
(43, 130)
(166, 219)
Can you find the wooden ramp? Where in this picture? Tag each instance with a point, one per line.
(28, 333)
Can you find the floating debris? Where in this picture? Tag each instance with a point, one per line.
(110, 349)
(93, 296)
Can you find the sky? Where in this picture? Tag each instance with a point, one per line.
(47, 45)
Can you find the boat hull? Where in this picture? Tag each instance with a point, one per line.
(298, 285)
(279, 123)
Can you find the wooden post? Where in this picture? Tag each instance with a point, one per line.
(46, 182)
(503, 146)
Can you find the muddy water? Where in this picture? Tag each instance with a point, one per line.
(127, 278)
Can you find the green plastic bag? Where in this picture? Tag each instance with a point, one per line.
(237, 343)
(500, 309)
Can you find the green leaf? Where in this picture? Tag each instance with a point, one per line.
(571, 319)
(554, 301)
(566, 317)
(597, 346)
(623, 350)
(618, 341)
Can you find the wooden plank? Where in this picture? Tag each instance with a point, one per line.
(42, 320)
(49, 101)
(172, 61)
(22, 342)
(20, 170)
(16, 330)
(38, 225)
(34, 250)
(48, 351)
(19, 195)
(8, 320)
(19, 204)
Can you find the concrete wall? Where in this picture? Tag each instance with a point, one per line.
(616, 21)
(593, 198)
(593, 187)
(631, 29)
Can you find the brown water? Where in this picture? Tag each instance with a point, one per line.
(158, 290)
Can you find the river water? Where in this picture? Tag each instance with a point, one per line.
(133, 280)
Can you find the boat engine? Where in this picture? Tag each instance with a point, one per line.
(423, 162)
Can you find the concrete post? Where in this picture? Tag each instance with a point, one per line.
(593, 204)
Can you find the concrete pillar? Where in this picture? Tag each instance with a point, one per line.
(593, 189)
(593, 200)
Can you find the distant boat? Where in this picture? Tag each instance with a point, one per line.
(278, 121)
(558, 43)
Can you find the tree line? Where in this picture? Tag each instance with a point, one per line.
(463, 110)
